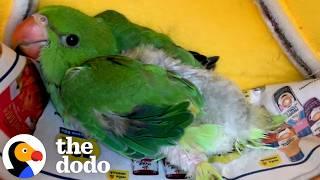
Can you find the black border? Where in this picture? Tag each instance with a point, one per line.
(10, 69)
(29, 8)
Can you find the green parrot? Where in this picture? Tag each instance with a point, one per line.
(136, 91)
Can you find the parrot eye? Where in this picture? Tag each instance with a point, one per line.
(24, 150)
(70, 40)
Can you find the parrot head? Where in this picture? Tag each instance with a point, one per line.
(61, 37)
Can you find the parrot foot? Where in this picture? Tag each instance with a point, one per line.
(239, 146)
(206, 171)
(224, 158)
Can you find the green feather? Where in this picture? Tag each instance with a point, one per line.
(202, 137)
(137, 92)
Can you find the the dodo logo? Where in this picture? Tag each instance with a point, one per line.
(24, 156)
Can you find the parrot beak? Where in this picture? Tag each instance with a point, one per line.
(31, 35)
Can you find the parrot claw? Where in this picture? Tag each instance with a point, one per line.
(206, 171)
(239, 146)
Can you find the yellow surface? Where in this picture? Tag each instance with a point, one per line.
(305, 14)
(271, 161)
(232, 29)
(118, 175)
(6, 6)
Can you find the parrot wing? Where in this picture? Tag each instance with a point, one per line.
(133, 108)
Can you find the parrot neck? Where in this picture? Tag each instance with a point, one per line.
(53, 70)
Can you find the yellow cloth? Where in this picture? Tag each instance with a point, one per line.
(232, 29)
(306, 18)
(6, 7)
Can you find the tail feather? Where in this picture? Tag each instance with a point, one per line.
(262, 119)
(257, 135)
